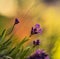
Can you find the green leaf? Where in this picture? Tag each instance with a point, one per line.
(3, 52)
(3, 36)
(9, 31)
(11, 50)
(19, 53)
(3, 32)
(15, 51)
(6, 43)
(7, 57)
(24, 53)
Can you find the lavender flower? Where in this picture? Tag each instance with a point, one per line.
(16, 21)
(10, 30)
(39, 54)
(36, 30)
(35, 43)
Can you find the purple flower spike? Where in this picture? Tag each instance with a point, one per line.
(37, 42)
(16, 21)
(36, 30)
(39, 54)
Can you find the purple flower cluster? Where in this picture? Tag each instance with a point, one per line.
(37, 42)
(36, 30)
(39, 54)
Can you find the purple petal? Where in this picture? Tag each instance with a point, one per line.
(38, 51)
(47, 57)
(40, 30)
(37, 26)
